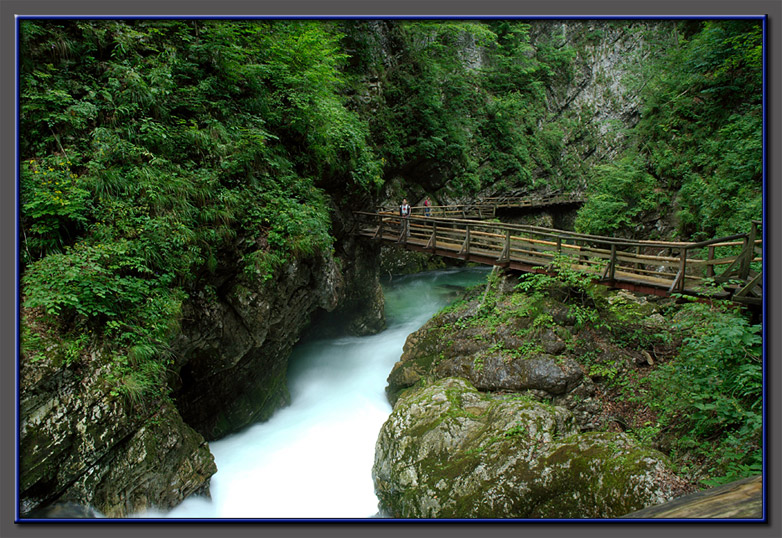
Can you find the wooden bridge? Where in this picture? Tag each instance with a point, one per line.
(734, 263)
(487, 208)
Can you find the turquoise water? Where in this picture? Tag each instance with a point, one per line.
(313, 459)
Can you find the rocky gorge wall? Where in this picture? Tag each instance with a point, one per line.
(80, 444)
(590, 101)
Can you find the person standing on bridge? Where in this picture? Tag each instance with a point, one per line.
(404, 212)
(427, 206)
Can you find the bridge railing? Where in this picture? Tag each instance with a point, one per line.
(486, 208)
(673, 266)
(459, 211)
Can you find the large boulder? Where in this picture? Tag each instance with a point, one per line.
(493, 354)
(450, 451)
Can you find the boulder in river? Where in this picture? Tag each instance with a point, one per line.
(450, 451)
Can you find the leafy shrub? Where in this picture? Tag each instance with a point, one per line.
(709, 399)
(54, 206)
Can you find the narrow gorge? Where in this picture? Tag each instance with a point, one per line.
(187, 193)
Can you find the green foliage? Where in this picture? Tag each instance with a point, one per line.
(151, 146)
(292, 217)
(563, 276)
(698, 143)
(517, 430)
(709, 399)
(619, 194)
(463, 98)
(54, 206)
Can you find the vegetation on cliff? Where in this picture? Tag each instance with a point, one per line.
(681, 377)
(696, 152)
(151, 150)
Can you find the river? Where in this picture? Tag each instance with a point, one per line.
(313, 459)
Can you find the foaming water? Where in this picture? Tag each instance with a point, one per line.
(313, 459)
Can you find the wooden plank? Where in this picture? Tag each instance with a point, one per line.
(751, 284)
(742, 499)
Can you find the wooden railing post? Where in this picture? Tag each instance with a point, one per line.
(612, 263)
(466, 245)
(683, 269)
(746, 256)
(505, 256)
(432, 244)
(709, 264)
(609, 272)
(749, 246)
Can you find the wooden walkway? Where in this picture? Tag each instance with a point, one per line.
(487, 208)
(654, 267)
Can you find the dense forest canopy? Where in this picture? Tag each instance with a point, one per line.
(152, 151)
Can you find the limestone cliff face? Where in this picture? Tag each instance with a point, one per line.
(80, 444)
(235, 343)
(592, 99)
(600, 94)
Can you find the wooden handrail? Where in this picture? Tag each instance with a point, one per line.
(565, 234)
(617, 259)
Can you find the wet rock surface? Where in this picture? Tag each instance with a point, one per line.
(450, 451)
(498, 412)
(80, 445)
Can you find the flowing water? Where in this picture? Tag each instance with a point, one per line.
(313, 459)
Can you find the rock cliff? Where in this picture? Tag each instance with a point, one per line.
(235, 343)
(79, 444)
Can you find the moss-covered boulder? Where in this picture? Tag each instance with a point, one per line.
(495, 339)
(450, 451)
